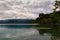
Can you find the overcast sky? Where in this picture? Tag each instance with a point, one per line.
(24, 9)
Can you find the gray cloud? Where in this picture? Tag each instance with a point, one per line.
(33, 7)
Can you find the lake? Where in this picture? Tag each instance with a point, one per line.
(22, 32)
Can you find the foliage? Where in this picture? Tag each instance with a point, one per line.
(48, 18)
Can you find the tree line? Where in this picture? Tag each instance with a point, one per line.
(51, 18)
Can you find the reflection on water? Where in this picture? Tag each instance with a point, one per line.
(21, 33)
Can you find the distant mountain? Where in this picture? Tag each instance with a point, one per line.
(16, 21)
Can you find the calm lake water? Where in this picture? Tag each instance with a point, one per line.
(21, 32)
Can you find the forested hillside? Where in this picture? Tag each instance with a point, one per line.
(52, 18)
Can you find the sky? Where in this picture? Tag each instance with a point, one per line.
(24, 9)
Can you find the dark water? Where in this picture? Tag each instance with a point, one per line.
(22, 32)
(16, 26)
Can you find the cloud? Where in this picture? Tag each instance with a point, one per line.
(25, 7)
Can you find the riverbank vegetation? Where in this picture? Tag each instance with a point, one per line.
(52, 18)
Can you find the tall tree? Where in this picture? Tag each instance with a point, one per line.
(57, 5)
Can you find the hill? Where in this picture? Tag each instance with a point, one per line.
(16, 21)
(52, 18)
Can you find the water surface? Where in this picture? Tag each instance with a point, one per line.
(20, 32)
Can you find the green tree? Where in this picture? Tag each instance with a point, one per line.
(57, 5)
